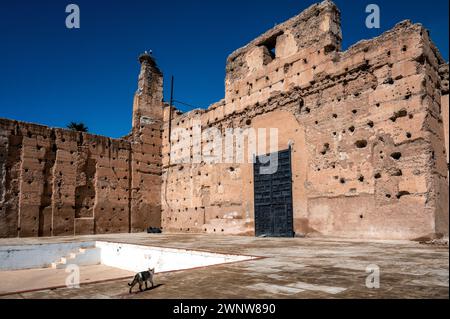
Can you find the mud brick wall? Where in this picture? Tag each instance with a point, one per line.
(56, 182)
(146, 179)
(365, 127)
(443, 74)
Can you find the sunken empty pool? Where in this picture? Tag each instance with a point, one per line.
(45, 264)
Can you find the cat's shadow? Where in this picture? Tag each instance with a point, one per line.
(154, 287)
(141, 292)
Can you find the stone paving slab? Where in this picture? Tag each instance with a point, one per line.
(290, 268)
(44, 278)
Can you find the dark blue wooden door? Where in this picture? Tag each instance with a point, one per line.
(273, 198)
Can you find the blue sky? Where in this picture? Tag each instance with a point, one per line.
(52, 75)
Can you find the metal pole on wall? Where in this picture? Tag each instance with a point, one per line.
(169, 137)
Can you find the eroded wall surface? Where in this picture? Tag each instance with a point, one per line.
(365, 126)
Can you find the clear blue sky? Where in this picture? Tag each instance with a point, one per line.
(52, 75)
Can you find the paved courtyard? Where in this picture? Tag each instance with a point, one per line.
(289, 268)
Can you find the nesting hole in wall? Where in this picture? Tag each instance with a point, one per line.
(361, 144)
(399, 114)
(397, 172)
(377, 176)
(389, 81)
(342, 180)
(325, 149)
(396, 156)
(403, 193)
(301, 103)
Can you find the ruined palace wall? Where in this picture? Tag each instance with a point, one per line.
(367, 128)
(362, 125)
(56, 182)
(218, 198)
(443, 73)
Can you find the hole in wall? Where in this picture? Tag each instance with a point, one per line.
(301, 103)
(269, 46)
(397, 172)
(403, 193)
(361, 144)
(399, 114)
(325, 149)
(397, 156)
(389, 81)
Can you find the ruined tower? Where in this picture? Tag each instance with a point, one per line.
(147, 104)
(146, 157)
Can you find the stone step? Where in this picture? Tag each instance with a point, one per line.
(83, 257)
